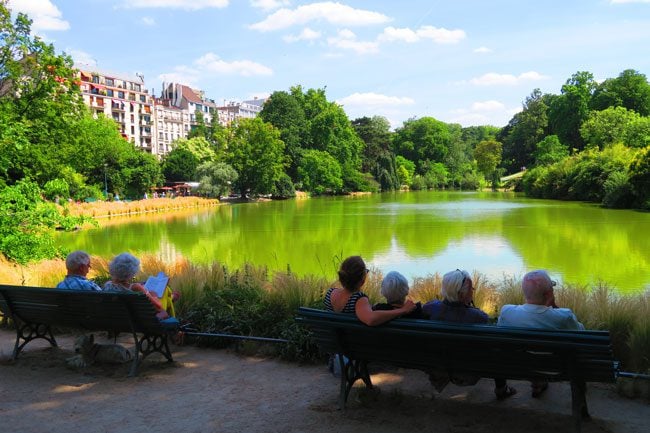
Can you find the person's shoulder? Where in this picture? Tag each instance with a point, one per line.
(509, 307)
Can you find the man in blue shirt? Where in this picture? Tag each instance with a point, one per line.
(78, 264)
(539, 311)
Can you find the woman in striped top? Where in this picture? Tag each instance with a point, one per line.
(350, 298)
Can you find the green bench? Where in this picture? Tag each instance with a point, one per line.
(36, 310)
(486, 351)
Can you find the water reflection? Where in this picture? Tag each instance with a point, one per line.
(416, 233)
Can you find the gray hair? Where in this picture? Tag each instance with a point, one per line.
(394, 287)
(453, 284)
(76, 259)
(124, 267)
(535, 284)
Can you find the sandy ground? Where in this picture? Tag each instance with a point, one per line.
(209, 390)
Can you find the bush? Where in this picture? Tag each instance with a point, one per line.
(56, 189)
(618, 191)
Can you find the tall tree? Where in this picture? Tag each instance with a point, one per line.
(524, 131)
(256, 152)
(180, 165)
(284, 111)
(488, 156)
(423, 141)
(630, 90)
(571, 108)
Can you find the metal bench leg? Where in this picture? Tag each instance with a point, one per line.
(148, 344)
(352, 371)
(579, 403)
(28, 332)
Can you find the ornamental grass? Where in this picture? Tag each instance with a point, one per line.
(251, 300)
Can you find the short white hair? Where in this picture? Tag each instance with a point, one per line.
(394, 287)
(535, 284)
(124, 267)
(76, 259)
(453, 284)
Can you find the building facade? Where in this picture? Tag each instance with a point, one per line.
(126, 101)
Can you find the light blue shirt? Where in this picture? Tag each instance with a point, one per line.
(538, 316)
(78, 282)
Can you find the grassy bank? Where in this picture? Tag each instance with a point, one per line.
(100, 209)
(251, 301)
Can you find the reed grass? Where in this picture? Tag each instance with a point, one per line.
(100, 209)
(253, 300)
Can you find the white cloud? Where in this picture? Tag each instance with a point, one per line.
(148, 21)
(181, 75)
(44, 14)
(347, 40)
(441, 35)
(494, 79)
(373, 100)
(491, 105)
(392, 34)
(483, 113)
(268, 5)
(174, 4)
(307, 34)
(482, 50)
(438, 35)
(331, 12)
(82, 58)
(210, 62)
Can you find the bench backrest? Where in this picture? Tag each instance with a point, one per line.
(482, 350)
(105, 311)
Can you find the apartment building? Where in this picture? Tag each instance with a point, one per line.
(231, 111)
(123, 99)
(192, 100)
(171, 123)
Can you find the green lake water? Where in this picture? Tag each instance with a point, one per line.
(416, 233)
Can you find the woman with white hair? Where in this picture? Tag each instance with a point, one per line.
(395, 288)
(458, 306)
(123, 269)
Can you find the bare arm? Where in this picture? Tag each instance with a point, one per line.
(367, 315)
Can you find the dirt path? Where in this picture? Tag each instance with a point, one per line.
(210, 390)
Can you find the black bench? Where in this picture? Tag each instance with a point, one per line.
(480, 350)
(36, 310)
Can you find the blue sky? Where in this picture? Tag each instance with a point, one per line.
(471, 62)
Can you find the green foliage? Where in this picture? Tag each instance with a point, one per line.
(200, 147)
(55, 189)
(569, 110)
(590, 175)
(640, 177)
(405, 170)
(27, 223)
(256, 152)
(436, 176)
(319, 172)
(609, 126)
(425, 139)
(630, 90)
(216, 178)
(284, 187)
(618, 191)
(180, 165)
(550, 150)
(488, 156)
(524, 131)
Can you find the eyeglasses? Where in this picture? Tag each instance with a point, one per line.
(367, 271)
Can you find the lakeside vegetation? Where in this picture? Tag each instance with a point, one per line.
(251, 301)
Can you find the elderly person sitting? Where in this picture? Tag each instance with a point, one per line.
(123, 268)
(78, 264)
(539, 311)
(395, 288)
(458, 306)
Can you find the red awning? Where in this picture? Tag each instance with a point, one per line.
(85, 75)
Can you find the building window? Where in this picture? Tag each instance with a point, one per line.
(143, 98)
(120, 95)
(109, 92)
(136, 87)
(109, 82)
(96, 79)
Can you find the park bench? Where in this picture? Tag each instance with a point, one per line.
(479, 350)
(35, 311)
